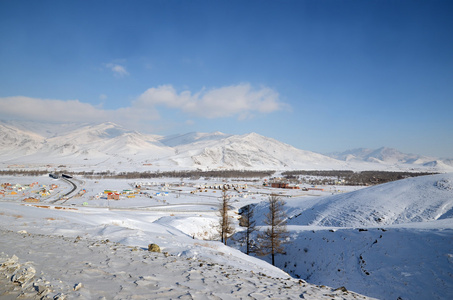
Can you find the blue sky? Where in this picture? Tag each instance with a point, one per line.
(319, 75)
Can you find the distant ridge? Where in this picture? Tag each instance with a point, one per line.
(385, 155)
(113, 147)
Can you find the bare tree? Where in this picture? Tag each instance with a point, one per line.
(273, 238)
(226, 228)
(247, 221)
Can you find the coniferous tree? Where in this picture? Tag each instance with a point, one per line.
(226, 228)
(247, 221)
(273, 238)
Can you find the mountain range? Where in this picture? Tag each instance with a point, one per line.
(110, 146)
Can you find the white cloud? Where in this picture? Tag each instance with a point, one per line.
(237, 100)
(26, 108)
(118, 70)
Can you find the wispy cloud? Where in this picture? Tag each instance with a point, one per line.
(239, 101)
(236, 101)
(52, 110)
(118, 70)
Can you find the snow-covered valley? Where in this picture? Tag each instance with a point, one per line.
(386, 241)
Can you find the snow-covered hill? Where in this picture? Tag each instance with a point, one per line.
(420, 199)
(247, 151)
(197, 138)
(105, 145)
(112, 139)
(108, 146)
(114, 147)
(390, 241)
(99, 269)
(15, 142)
(390, 156)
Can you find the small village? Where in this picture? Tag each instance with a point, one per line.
(32, 192)
(168, 192)
(140, 194)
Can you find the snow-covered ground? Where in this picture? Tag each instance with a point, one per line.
(387, 241)
(35, 266)
(57, 244)
(390, 241)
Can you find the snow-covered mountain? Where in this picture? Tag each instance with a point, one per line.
(15, 142)
(111, 139)
(115, 146)
(198, 138)
(390, 156)
(383, 154)
(85, 144)
(218, 150)
(110, 146)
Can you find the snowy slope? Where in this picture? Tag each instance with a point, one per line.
(389, 156)
(15, 142)
(192, 138)
(105, 144)
(390, 241)
(44, 129)
(382, 154)
(113, 147)
(420, 199)
(249, 151)
(387, 263)
(100, 269)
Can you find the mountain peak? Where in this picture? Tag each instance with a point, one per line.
(117, 147)
(192, 137)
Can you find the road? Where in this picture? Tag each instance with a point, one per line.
(74, 187)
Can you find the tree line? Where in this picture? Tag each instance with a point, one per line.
(346, 177)
(192, 174)
(315, 177)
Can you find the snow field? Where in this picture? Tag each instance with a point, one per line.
(411, 263)
(79, 268)
(387, 241)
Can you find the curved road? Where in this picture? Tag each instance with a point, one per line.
(74, 186)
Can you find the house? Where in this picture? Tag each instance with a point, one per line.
(31, 200)
(280, 185)
(113, 196)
